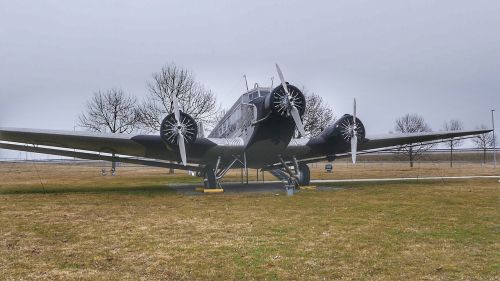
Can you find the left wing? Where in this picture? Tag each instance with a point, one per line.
(375, 144)
(403, 139)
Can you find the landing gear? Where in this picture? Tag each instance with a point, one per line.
(299, 176)
(304, 175)
(210, 178)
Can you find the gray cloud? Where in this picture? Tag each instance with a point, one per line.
(438, 59)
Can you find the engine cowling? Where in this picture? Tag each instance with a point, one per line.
(170, 129)
(342, 130)
(276, 101)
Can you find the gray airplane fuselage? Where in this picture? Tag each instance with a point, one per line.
(261, 141)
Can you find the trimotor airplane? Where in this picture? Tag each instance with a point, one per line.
(257, 132)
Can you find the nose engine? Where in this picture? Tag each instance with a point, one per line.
(281, 103)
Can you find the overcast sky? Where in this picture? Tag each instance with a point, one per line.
(440, 59)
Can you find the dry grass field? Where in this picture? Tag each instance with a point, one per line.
(67, 222)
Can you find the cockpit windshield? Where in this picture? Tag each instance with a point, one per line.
(255, 95)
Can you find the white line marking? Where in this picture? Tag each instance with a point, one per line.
(406, 179)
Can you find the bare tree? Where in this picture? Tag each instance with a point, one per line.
(318, 114)
(412, 123)
(219, 116)
(453, 125)
(484, 141)
(112, 111)
(194, 99)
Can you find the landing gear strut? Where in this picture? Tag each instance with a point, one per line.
(300, 175)
(212, 176)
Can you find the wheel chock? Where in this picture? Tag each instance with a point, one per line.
(213, 190)
(209, 190)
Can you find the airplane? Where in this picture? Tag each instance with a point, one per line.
(257, 132)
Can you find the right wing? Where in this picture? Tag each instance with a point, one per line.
(94, 156)
(147, 150)
(133, 145)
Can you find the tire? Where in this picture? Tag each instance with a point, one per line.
(211, 178)
(304, 174)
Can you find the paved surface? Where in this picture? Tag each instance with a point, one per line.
(252, 187)
(277, 187)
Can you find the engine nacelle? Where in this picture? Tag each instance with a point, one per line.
(170, 129)
(276, 102)
(342, 130)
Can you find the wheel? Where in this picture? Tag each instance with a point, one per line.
(210, 177)
(304, 174)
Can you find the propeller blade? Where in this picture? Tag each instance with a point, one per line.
(298, 122)
(182, 148)
(177, 112)
(354, 110)
(354, 148)
(354, 138)
(282, 79)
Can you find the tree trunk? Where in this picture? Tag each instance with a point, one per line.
(484, 155)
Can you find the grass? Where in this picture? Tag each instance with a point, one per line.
(133, 227)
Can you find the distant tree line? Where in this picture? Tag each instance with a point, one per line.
(414, 123)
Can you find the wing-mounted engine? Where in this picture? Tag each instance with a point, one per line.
(170, 129)
(342, 130)
(178, 128)
(346, 132)
(348, 129)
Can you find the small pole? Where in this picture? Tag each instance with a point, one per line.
(241, 175)
(494, 140)
(246, 82)
(246, 168)
(74, 150)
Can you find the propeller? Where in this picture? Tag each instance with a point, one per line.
(354, 138)
(180, 136)
(292, 109)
